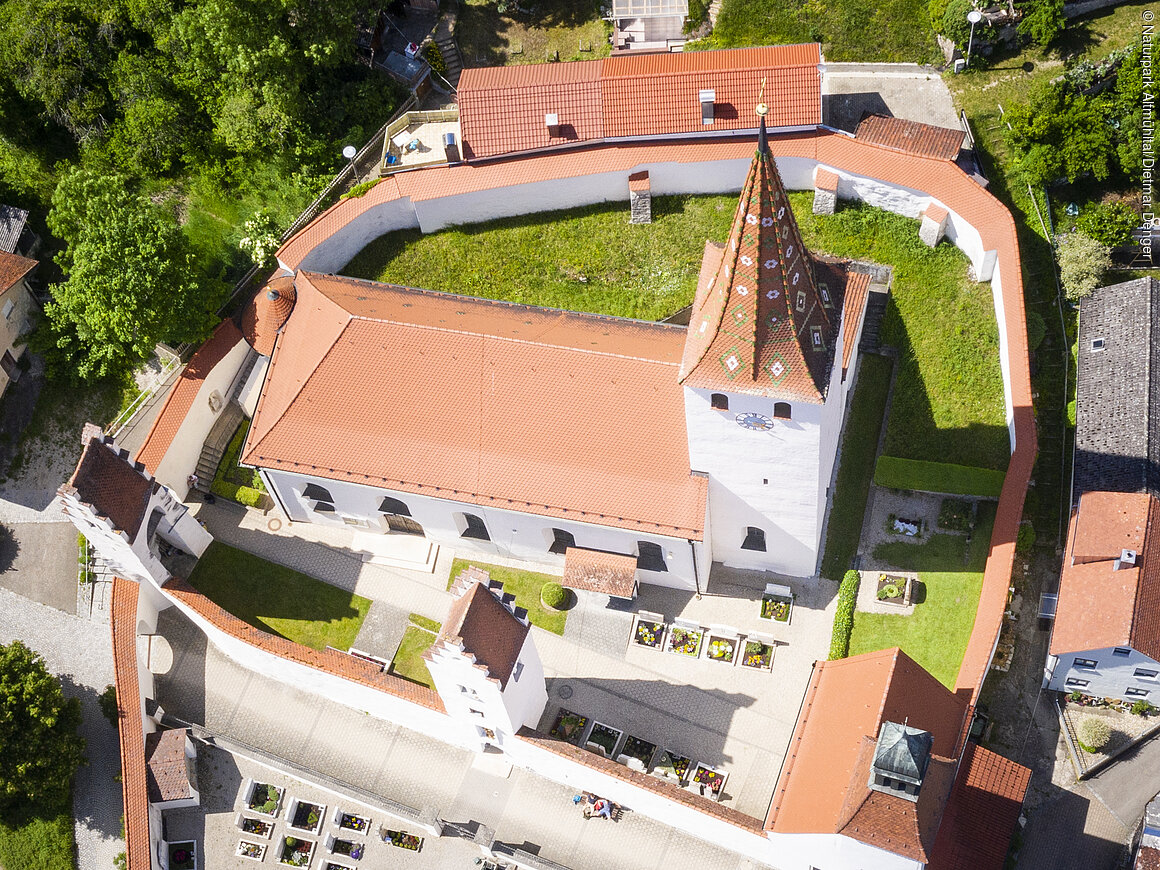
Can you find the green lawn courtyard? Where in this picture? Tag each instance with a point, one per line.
(525, 586)
(279, 600)
(417, 638)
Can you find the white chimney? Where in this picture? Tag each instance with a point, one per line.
(552, 122)
(1127, 560)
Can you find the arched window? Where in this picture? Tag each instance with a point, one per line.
(781, 410)
(650, 557)
(394, 506)
(317, 493)
(754, 539)
(561, 541)
(719, 402)
(475, 528)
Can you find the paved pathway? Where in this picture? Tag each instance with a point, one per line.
(80, 653)
(902, 90)
(43, 566)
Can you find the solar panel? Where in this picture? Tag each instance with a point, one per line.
(648, 8)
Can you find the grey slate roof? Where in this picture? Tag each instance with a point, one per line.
(12, 220)
(1117, 435)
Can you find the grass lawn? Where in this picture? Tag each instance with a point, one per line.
(41, 843)
(901, 28)
(525, 586)
(408, 661)
(951, 572)
(487, 38)
(937, 477)
(859, 443)
(585, 259)
(278, 599)
(231, 480)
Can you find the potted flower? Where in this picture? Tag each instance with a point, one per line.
(264, 798)
(253, 851)
(672, 766)
(403, 840)
(183, 856)
(257, 827)
(649, 633)
(721, 649)
(351, 822)
(757, 655)
(569, 726)
(708, 782)
(685, 641)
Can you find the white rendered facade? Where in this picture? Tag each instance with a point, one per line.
(1113, 672)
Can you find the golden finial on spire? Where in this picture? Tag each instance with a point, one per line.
(762, 109)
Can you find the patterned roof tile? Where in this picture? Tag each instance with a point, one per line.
(130, 733)
(487, 630)
(13, 268)
(112, 485)
(596, 571)
(167, 772)
(913, 137)
(268, 312)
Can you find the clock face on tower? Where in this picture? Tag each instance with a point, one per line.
(757, 422)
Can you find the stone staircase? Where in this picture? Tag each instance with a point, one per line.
(444, 38)
(243, 375)
(875, 309)
(216, 443)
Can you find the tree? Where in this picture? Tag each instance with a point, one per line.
(956, 27)
(1109, 223)
(1061, 133)
(1042, 20)
(40, 749)
(1082, 263)
(130, 278)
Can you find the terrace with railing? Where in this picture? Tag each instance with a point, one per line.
(418, 139)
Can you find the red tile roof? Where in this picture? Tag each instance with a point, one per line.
(853, 307)
(910, 136)
(13, 268)
(1100, 607)
(981, 815)
(596, 398)
(639, 181)
(826, 180)
(502, 109)
(487, 630)
(181, 397)
(267, 312)
(109, 482)
(846, 701)
(597, 571)
(329, 661)
(936, 213)
(130, 733)
(759, 325)
(167, 771)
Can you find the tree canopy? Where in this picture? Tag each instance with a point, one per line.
(40, 749)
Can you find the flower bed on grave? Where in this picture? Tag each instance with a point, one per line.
(649, 633)
(641, 750)
(721, 649)
(892, 589)
(334, 865)
(776, 607)
(685, 641)
(264, 799)
(352, 822)
(708, 782)
(307, 816)
(257, 827)
(403, 840)
(347, 847)
(246, 849)
(606, 737)
(672, 766)
(569, 726)
(183, 856)
(296, 853)
(758, 655)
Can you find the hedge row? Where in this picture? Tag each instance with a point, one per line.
(844, 618)
(916, 474)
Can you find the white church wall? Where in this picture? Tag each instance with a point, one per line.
(335, 251)
(514, 535)
(526, 694)
(252, 390)
(180, 459)
(833, 852)
(1112, 675)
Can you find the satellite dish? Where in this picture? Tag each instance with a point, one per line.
(349, 151)
(974, 16)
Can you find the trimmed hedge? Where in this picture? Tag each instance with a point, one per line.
(224, 487)
(844, 617)
(917, 474)
(553, 595)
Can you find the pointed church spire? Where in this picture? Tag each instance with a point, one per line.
(759, 324)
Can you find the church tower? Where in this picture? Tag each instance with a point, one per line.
(763, 398)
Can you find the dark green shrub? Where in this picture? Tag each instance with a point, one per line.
(434, 58)
(107, 701)
(844, 617)
(1075, 697)
(954, 514)
(1025, 540)
(1036, 329)
(553, 595)
(1141, 708)
(1109, 223)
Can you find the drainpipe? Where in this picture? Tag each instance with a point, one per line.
(696, 578)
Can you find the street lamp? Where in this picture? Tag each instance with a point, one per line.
(974, 16)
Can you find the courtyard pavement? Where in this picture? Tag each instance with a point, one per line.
(40, 563)
(901, 90)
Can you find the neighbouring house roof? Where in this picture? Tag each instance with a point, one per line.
(14, 268)
(824, 784)
(502, 109)
(1117, 427)
(649, 8)
(487, 630)
(910, 136)
(1100, 606)
(168, 775)
(130, 727)
(115, 488)
(522, 408)
(12, 221)
(982, 812)
(224, 339)
(596, 571)
(268, 312)
(759, 325)
(1148, 858)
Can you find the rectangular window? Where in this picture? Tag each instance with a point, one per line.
(9, 305)
(517, 670)
(1085, 663)
(1145, 674)
(1075, 683)
(801, 300)
(1133, 692)
(817, 339)
(650, 557)
(1121, 651)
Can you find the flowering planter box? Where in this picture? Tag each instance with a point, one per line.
(305, 816)
(264, 798)
(893, 589)
(671, 766)
(708, 782)
(296, 853)
(776, 608)
(334, 865)
(183, 856)
(403, 840)
(722, 649)
(253, 851)
(603, 739)
(639, 751)
(351, 822)
(569, 727)
(348, 848)
(685, 641)
(649, 634)
(254, 827)
(757, 655)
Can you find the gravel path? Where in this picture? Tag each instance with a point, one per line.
(80, 653)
